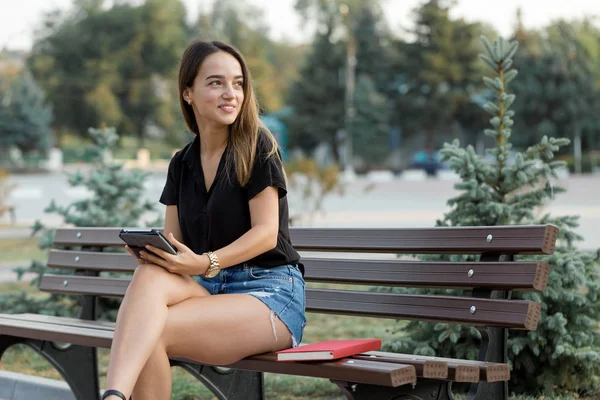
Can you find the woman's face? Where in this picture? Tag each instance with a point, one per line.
(217, 94)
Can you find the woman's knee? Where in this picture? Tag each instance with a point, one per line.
(148, 273)
(149, 277)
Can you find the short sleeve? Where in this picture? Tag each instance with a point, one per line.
(170, 193)
(267, 171)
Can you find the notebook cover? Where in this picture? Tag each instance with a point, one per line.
(329, 350)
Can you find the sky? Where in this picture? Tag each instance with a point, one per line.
(18, 19)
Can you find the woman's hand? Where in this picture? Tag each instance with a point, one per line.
(185, 262)
(139, 260)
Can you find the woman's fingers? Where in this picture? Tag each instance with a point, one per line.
(154, 259)
(161, 253)
(178, 245)
(139, 260)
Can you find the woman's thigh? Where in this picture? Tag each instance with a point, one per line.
(222, 329)
(174, 288)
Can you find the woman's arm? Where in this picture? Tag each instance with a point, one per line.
(262, 236)
(172, 223)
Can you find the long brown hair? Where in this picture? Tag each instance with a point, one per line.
(245, 130)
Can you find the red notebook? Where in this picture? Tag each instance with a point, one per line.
(329, 350)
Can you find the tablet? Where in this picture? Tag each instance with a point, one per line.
(137, 239)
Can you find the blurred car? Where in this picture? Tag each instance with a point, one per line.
(429, 161)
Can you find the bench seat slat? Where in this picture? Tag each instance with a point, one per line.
(360, 371)
(426, 367)
(86, 333)
(516, 314)
(56, 332)
(458, 370)
(491, 275)
(538, 239)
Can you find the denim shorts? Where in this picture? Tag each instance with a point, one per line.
(280, 288)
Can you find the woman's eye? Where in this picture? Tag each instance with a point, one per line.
(215, 83)
(240, 84)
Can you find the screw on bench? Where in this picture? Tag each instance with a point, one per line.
(77, 259)
(489, 238)
(470, 273)
(65, 283)
(473, 309)
(79, 235)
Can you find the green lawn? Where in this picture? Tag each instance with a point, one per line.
(13, 251)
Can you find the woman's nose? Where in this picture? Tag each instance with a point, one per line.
(228, 93)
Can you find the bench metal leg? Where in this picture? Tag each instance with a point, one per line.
(227, 383)
(76, 364)
(493, 349)
(494, 342)
(424, 389)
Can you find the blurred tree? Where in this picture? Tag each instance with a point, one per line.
(369, 123)
(25, 116)
(373, 46)
(315, 183)
(273, 65)
(360, 26)
(317, 97)
(327, 12)
(113, 65)
(116, 200)
(370, 128)
(557, 94)
(437, 73)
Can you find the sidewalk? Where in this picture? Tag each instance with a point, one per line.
(8, 275)
(14, 232)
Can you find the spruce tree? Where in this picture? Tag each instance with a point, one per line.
(116, 200)
(435, 72)
(25, 116)
(370, 127)
(564, 352)
(372, 47)
(317, 98)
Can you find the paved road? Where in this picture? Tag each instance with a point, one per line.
(397, 203)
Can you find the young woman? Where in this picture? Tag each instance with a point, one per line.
(227, 215)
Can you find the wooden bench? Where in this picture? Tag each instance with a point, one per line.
(373, 375)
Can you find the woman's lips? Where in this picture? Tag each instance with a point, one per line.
(227, 108)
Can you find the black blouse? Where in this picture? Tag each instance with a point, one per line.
(214, 219)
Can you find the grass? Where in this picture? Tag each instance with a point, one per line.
(22, 250)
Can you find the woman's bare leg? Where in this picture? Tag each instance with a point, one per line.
(140, 322)
(155, 379)
(233, 326)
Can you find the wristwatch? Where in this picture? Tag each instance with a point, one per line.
(214, 268)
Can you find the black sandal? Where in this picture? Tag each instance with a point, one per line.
(113, 393)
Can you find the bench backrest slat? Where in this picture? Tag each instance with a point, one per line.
(492, 275)
(537, 239)
(91, 260)
(440, 240)
(508, 313)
